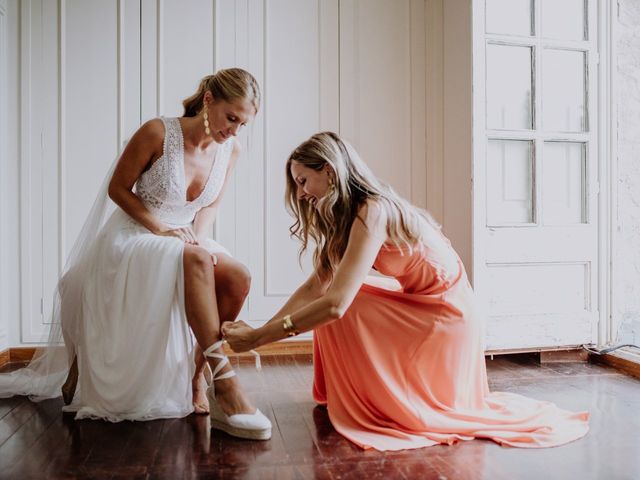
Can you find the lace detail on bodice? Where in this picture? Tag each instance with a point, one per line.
(163, 188)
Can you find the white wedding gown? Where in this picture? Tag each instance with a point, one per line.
(121, 305)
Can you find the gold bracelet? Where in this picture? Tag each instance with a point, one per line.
(288, 326)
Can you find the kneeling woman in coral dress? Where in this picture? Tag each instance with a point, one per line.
(397, 369)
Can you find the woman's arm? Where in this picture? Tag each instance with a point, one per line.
(310, 290)
(368, 234)
(205, 217)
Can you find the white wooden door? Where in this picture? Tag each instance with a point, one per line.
(536, 171)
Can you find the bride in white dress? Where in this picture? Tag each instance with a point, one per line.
(134, 290)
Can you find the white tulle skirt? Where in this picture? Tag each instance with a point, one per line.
(134, 346)
(121, 311)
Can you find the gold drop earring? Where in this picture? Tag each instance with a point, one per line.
(332, 186)
(207, 130)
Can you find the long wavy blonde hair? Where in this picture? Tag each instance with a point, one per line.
(328, 225)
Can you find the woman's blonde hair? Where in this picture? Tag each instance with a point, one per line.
(229, 84)
(329, 224)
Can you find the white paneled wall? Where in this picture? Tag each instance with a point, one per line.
(4, 180)
(91, 71)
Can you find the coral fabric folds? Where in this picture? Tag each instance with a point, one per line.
(405, 369)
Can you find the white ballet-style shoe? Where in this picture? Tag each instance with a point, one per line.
(253, 426)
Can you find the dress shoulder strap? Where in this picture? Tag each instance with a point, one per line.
(172, 147)
(227, 150)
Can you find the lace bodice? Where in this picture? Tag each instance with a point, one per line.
(163, 188)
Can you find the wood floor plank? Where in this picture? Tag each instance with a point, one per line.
(15, 420)
(36, 421)
(7, 405)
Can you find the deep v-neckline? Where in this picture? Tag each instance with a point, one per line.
(184, 172)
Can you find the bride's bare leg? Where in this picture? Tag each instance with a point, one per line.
(199, 383)
(69, 386)
(204, 320)
(232, 284)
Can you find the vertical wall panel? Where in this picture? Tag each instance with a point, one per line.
(90, 99)
(129, 118)
(40, 176)
(244, 47)
(457, 127)
(376, 86)
(185, 39)
(434, 105)
(177, 51)
(4, 183)
(296, 44)
(149, 56)
(226, 45)
(48, 115)
(79, 101)
(418, 101)
(292, 50)
(10, 182)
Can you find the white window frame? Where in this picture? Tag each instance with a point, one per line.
(602, 134)
(608, 161)
(536, 135)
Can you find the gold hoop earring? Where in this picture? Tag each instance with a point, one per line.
(332, 186)
(207, 130)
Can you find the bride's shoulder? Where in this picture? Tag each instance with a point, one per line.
(150, 133)
(234, 149)
(153, 128)
(235, 146)
(147, 141)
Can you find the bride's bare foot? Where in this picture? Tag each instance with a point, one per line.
(200, 402)
(231, 398)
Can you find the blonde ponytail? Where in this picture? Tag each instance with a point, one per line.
(228, 84)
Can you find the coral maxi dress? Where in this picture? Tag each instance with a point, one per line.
(406, 369)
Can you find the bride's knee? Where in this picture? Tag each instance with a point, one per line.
(242, 280)
(233, 280)
(197, 260)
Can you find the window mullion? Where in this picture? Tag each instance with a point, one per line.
(537, 117)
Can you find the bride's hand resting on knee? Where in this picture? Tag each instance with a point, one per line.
(240, 336)
(186, 234)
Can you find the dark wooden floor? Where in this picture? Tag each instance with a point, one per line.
(38, 441)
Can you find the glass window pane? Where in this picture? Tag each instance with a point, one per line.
(564, 183)
(563, 19)
(509, 182)
(509, 99)
(563, 95)
(509, 17)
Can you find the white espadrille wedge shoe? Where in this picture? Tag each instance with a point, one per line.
(253, 426)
